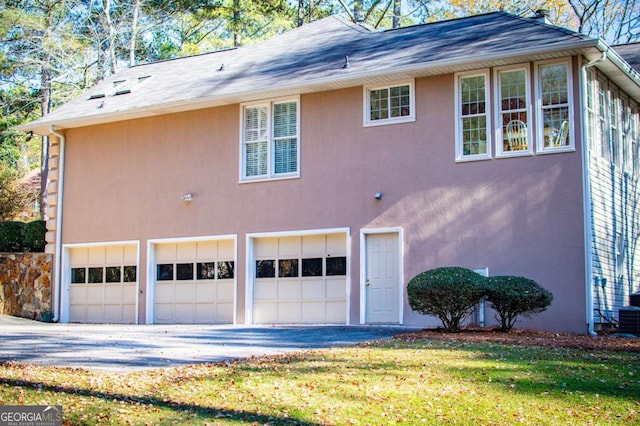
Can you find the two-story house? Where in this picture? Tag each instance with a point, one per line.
(306, 179)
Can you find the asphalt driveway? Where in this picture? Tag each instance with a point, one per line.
(122, 348)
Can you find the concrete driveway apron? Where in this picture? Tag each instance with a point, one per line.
(122, 348)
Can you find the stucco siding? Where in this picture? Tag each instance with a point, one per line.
(520, 216)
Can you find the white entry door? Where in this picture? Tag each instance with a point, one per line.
(382, 280)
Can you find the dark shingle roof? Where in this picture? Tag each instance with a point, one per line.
(630, 53)
(312, 58)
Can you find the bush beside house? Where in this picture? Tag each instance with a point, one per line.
(452, 293)
(18, 237)
(513, 296)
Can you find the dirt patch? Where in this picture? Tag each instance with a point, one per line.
(603, 342)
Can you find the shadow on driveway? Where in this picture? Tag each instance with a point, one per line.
(122, 348)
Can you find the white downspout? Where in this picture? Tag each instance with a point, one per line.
(57, 281)
(586, 190)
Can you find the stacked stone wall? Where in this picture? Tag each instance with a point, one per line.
(25, 285)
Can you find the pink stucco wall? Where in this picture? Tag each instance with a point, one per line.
(520, 216)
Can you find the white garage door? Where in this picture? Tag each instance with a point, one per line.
(102, 285)
(300, 279)
(194, 282)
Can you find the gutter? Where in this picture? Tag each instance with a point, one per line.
(57, 281)
(586, 191)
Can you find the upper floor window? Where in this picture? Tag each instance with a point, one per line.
(514, 131)
(554, 117)
(472, 107)
(389, 104)
(270, 140)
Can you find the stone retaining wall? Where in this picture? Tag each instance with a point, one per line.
(25, 285)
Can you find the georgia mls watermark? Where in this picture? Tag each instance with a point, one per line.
(30, 415)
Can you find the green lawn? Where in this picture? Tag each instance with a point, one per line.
(387, 382)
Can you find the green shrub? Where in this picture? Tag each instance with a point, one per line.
(450, 293)
(512, 296)
(11, 237)
(35, 235)
(17, 237)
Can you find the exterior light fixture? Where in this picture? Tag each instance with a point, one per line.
(378, 195)
(187, 198)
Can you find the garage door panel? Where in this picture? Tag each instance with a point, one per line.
(265, 312)
(288, 290)
(164, 292)
(95, 313)
(78, 313)
(97, 256)
(185, 292)
(313, 245)
(163, 312)
(128, 314)
(113, 294)
(205, 313)
(194, 300)
(129, 292)
(313, 312)
(183, 313)
(288, 312)
(113, 314)
(265, 290)
(300, 295)
(78, 294)
(103, 301)
(336, 288)
(95, 292)
(225, 291)
(336, 311)
(224, 312)
(206, 292)
(226, 250)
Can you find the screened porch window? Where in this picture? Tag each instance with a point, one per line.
(270, 139)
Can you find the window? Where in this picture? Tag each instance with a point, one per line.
(554, 116)
(270, 136)
(389, 104)
(614, 141)
(513, 112)
(78, 275)
(633, 139)
(96, 275)
(472, 117)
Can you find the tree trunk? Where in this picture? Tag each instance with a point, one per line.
(300, 13)
(235, 22)
(134, 29)
(396, 13)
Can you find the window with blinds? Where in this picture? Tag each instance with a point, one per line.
(270, 138)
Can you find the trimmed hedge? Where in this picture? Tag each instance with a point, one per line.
(450, 293)
(18, 237)
(512, 296)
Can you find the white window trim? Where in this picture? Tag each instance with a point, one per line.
(500, 153)
(270, 176)
(540, 148)
(460, 157)
(367, 122)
